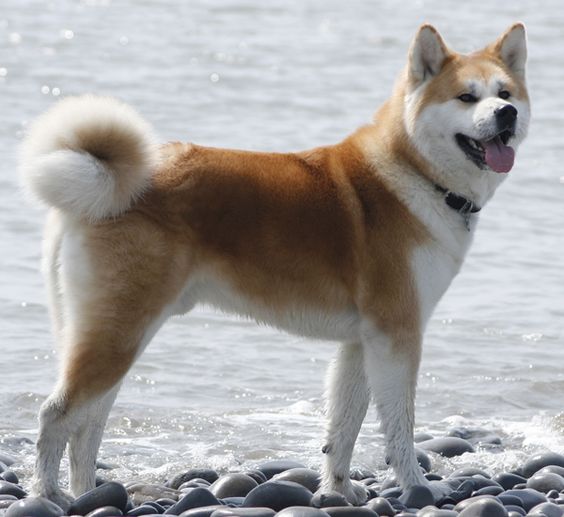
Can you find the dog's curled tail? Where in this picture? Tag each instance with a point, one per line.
(89, 156)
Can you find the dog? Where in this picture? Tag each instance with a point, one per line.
(354, 242)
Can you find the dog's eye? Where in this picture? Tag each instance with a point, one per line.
(504, 94)
(467, 97)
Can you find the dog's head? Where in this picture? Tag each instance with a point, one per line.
(467, 114)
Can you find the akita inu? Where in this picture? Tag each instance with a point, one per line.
(354, 242)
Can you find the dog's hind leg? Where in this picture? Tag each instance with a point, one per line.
(93, 367)
(84, 440)
(347, 401)
(52, 436)
(77, 411)
(391, 366)
(114, 302)
(51, 443)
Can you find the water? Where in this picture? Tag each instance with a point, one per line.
(211, 389)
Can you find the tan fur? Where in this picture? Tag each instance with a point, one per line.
(459, 68)
(316, 229)
(137, 271)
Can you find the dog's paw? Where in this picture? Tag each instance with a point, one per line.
(355, 493)
(60, 498)
(439, 489)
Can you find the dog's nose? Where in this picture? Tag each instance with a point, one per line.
(506, 117)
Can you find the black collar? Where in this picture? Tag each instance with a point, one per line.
(458, 203)
(462, 205)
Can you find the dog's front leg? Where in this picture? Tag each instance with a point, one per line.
(392, 364)
(347, 401)
(84, 442)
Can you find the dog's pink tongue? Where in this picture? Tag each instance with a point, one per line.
(499, 157)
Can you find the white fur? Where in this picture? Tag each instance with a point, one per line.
(298, 319)
(85, 439)
(76, 282)
(435, 264)
(51, 270)
(433, 130)
(82, 427)
(54, 430)
(426, 55)
(392, 376)
(60, 165)
(514, 50)
(347, 396)
(434, 269)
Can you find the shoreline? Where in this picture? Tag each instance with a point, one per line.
(288, 488)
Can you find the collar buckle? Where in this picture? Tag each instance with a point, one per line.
(462, 205)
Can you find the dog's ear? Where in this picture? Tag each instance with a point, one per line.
(426, 55)
(511, 47)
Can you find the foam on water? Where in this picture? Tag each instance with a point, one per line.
(215, 391)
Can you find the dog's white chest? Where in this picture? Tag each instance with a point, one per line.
(433, 270)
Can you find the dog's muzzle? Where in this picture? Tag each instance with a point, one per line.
(506, 118)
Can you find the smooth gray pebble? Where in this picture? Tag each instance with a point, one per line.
(108, 494)
(350, 511)
(529, 497)
(306, 477)
(484, 508)
(233, 485)
(244, 512)
(36, 506)
(381, 506)
(538, 461)
(202, 511)
(196, 498)
(105, 511)
(273, 467)
(278, 495)
(546, 510)
(448, 446)
(545, 482)
(326, 499)
(11, 489)
(432, 511)
(417, 497)
(302, 511)
(207, 474)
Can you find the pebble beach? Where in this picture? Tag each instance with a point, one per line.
(288, 488)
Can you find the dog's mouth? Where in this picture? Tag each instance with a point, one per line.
(493, 153)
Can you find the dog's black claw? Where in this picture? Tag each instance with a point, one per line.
(326, 449)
